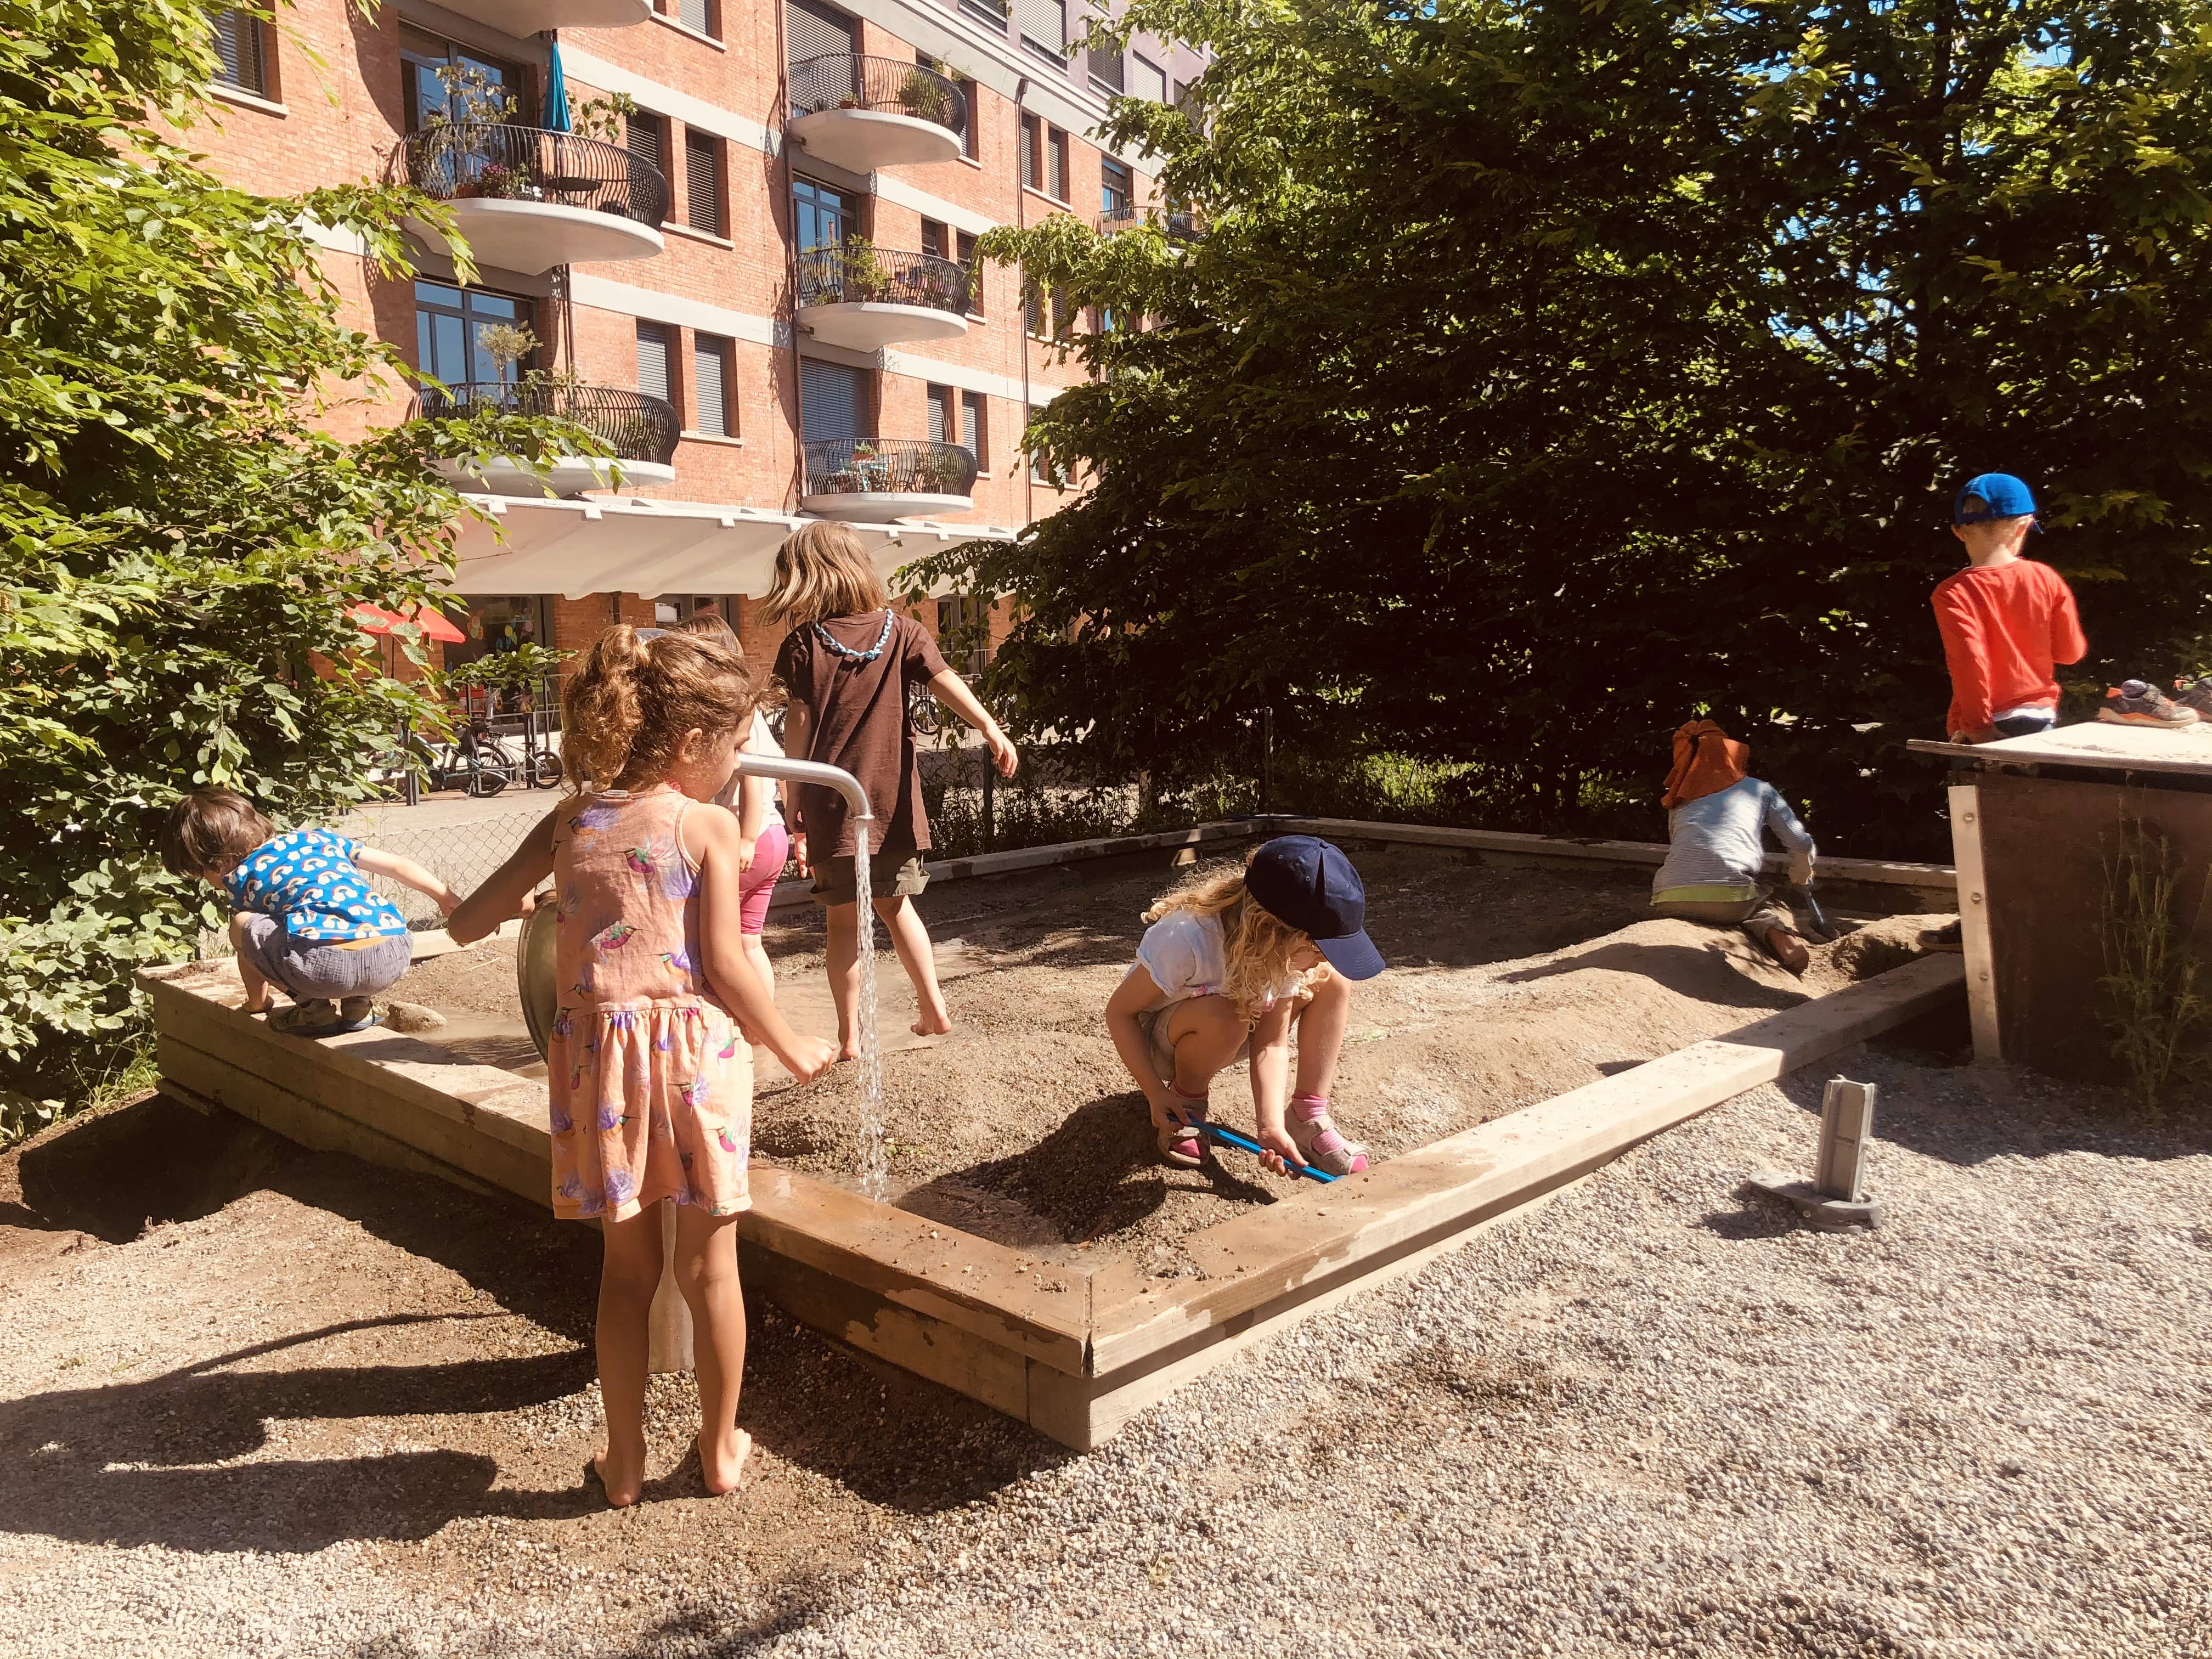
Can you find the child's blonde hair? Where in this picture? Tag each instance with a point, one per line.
(822, 569)
(1258, 947)
(627, 710)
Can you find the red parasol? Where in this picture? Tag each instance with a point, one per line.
(375, 619)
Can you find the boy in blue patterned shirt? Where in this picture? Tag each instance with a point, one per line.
(303, 917)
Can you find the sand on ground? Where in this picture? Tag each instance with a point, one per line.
(1505, 986)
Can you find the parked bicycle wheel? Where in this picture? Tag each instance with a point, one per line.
(545, 769)
(485, 780)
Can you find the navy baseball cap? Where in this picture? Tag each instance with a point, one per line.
(1304, 883)
(2004, 496)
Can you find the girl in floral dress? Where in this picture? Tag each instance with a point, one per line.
(650, 1081)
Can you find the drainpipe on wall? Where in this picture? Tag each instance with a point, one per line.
(1022, 298)
(790, 257)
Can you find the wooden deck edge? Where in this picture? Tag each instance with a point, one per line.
(1281, 1255)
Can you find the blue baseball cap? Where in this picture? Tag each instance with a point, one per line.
(1304, 883)
(2003, 496)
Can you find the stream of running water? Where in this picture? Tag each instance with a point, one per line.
(875, 1161)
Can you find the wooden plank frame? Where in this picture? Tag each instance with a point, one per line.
(1074, 1352)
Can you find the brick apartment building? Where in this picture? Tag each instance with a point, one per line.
(760, 287)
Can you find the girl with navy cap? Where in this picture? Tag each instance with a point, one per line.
(1232, 964)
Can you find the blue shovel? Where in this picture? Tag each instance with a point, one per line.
(1230, 1138)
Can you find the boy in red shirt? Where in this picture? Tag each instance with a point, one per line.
(2006, 620)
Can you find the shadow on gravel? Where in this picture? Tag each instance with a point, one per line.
(1760, 1218)
(117, 1462)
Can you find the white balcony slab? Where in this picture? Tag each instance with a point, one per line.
(862, 140)
(869, 325)
(870, 505)
(532, 237)
(550, 476)
(523, 18)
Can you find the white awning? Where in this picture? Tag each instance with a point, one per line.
(628, 545)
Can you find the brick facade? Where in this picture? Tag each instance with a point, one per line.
(312, 125)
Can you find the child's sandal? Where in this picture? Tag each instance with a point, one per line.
(1183, 1144)
(1317, 1140)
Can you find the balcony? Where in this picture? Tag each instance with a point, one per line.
(522, 18)
(527, 199)
(877, 479)
(1181, 225)
(861, 113)
(642, 432)
(862, 297)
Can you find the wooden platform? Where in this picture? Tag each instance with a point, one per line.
(1073, 1353)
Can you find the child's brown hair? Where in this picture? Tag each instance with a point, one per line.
(208, 832)
(1258, 947)
(627, 710)
(822, 569)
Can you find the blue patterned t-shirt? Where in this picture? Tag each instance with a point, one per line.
(306, 879)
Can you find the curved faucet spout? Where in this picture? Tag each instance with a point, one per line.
(782, 767)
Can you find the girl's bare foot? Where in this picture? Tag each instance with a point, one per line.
(934, 1022)
(720, 1470)
(623, 1481)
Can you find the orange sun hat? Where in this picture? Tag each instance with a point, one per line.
(1706, 761)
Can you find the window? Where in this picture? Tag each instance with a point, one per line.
(971, 427)
(646, 136)
(944, 414)
(1044, 158)
(933, 240)
(993, 12)
(965, 245)
(963, 632)
(710, 382)
(833, 401)
(812, 30)
(440, 78)
(238, 44)
(1055, 165)
(1044, 27)
(1063, 314)
(821, 216)
(1116, 198)
(970, 145)
(1032, 161)
(698, 15)
(652, 378)
(1106, 68)
(1032, 308)
(702, 181)
(1147, 81)
(449, 326)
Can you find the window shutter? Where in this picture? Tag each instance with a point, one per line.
(1030, 170)
(971, 425)
(940, 415)
(710, 355)
(642, 137)
(1146, 80)
(969, 140)
(933, 239)
(1106, 67)
(652, 359)
(1056, 166)
(832, 399)
(1043, 25)
(703, 208)
(695, 14)
(813, 30)
(238, 44)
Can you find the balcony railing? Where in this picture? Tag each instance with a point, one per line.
(636, 427)
(1183, 224)
(858, 273)
(460, 160)
(889, 467)
(887, 86)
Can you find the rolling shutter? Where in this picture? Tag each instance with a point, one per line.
(832, 401)
(813, 30)
(710, 355)
(940, 415)
(238, 45)
(702, 184)
(653, 360)
(971, 425)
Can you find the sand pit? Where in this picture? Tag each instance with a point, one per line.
(1507, 986)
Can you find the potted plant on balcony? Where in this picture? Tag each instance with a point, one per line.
(926, 98)
(945, 470)
(862, 277)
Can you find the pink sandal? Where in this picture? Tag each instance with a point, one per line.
(1317, 1140)
(1184, 1143)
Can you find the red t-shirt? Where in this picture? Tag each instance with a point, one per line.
(2004, 626)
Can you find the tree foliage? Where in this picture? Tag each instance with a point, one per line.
(1549, 373)
(179, 547)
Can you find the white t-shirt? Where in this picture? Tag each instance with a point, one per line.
(1188, 957)
(760, 741)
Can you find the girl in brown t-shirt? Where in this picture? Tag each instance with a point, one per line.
(847, 664)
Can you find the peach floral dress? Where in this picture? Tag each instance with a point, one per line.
(650, 1080)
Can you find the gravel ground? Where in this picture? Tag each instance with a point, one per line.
(1651, 1417)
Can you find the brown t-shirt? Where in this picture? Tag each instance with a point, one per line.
(856, 718)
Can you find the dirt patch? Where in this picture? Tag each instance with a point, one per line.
(1506, 985)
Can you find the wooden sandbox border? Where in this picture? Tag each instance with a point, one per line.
(1073, 1351)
